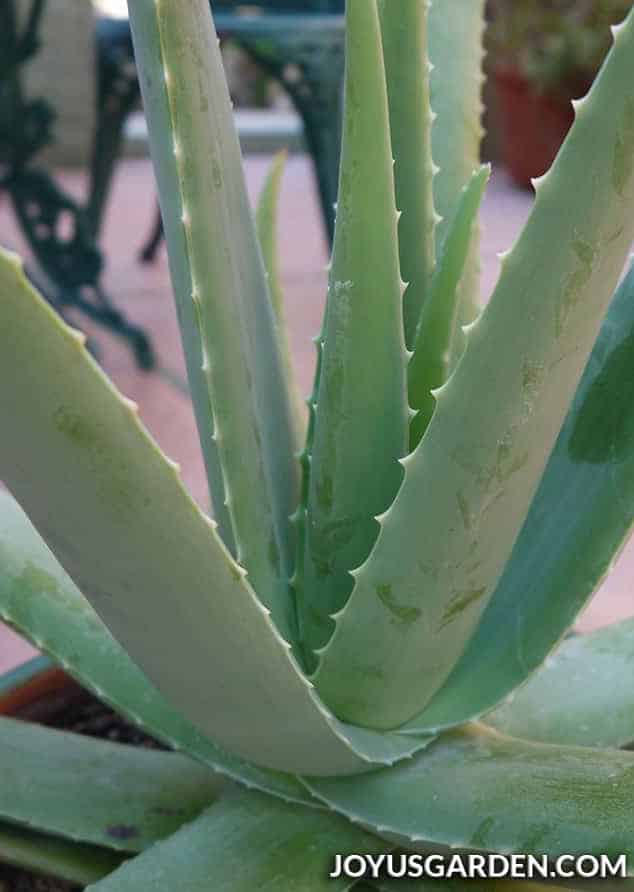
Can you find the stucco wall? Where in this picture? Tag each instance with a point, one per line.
(63, 72)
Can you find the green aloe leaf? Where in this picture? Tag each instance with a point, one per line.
(73, 423)
(95, 791)
(581, 515)
(219, 274)
(40, 601)
(456, 53)
(468, 486)
(404, 37)
(266, 222)
(429, 366)
(246, 842)
(362, 415)
(451, 884)
(52, 856)
(157, 110)
(300, 518)
(477, 789)
(582, 695)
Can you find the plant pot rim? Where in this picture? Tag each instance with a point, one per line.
(23, 685)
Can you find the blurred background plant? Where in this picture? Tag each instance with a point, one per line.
(543, 54)
(557, 45)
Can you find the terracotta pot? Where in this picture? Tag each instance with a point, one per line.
(36, 689)
(532, 125)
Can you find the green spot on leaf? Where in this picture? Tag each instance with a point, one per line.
(404, 613)
(623, 160)
(74, 427)
(459, 604)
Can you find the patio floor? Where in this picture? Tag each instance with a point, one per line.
(144, 293)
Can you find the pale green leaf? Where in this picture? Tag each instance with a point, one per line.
(580, 517)
(266, 221)
(41, 602)
(456, 51)
(404, 37)
(477, 789)
(95, 791)
(158, 113)
(445, 541)
(52, 856)
(361, 417)
(243, 843)
(453, 884)
(582, 695)
(121, 523)
(199, 172)
(429, 366)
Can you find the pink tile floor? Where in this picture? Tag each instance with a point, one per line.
(144, 293)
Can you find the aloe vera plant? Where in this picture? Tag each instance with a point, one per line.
(344, 641)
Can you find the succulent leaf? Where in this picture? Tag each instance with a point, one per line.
(94, 791)
(54, 857)
(40, 601)
(114, 512)
(452, 884)
(468, 486)
(480, 790)
(582, 695)
(456, 53)
(266, 222)
(362, 416)
(199, 171)
(429, 366)
(579, 519)
(172, 210)
(246, 842)
(404, 38)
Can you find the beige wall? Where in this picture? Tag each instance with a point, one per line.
(63, 73)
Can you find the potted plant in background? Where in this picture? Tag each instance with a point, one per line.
(544, 54)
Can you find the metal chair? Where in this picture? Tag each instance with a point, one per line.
(299, 44)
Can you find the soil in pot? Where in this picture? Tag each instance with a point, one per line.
(19, 881)
(70, 708)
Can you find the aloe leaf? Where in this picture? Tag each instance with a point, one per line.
(362, 415)
(429, 366)
(404, 38)
(95, 791)
(266, 222)
(73, 862)
(199, 171)
(115, 514)
(456, 51)
(477, 789)
(157, 110)
(582, 695)
(468, 486)
(41, 602)
(300, 518)
(452, 884)
(246, 841)
(579, 519)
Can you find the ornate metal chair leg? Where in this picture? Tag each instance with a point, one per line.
(117, 96)
(148, 252)
(322, 133)
(309, 63)
(60, 232)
